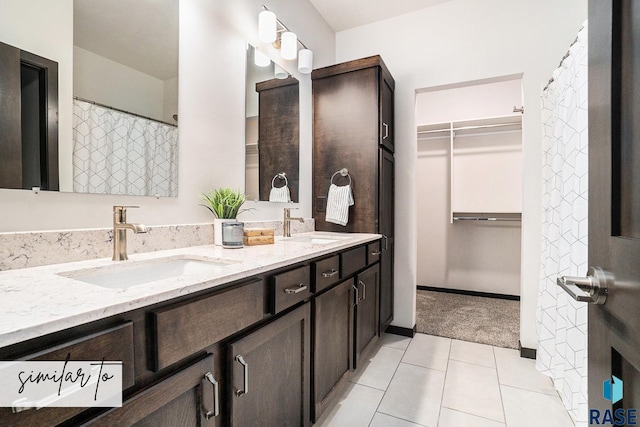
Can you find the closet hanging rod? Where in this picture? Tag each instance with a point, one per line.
(469, 128)
(123, 111)
(485, 218)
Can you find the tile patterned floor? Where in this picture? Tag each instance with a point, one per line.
(439, 382)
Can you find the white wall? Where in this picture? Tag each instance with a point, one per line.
(110, 83)
(213, 35)
(458, 41)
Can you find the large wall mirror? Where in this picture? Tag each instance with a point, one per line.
(272, 131)
(125, 95)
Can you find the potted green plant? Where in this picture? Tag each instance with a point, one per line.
(224, 204)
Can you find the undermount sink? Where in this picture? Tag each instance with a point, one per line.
(316, 240)
(119, 276)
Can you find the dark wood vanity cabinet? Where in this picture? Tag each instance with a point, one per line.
(269, 373)
(366, 322)
(189, 397)
(265, 350)
(278, 135)
(353, 116)
(333, 312)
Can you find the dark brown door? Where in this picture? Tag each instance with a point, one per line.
(614, 201)
(332, 342)
(367, 284)
(270, 371)
(386, 124)
(386, 225)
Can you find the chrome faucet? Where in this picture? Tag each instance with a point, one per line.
(287, 222)
(120, 228)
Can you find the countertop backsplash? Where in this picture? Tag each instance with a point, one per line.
(33, 249)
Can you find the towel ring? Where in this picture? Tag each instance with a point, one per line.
(343, 172)
(280, 175)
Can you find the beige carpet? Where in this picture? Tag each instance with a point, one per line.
(469, 318)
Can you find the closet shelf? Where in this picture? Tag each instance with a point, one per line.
(472, 216)
(470, 127)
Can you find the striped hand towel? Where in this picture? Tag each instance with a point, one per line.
(280, 194)
(338, 201)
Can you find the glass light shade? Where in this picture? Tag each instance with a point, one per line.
(267, 27)
(289, 45)
(279, 72)
(260, 59)
(305, 61)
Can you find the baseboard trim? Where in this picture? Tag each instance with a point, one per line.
(527, 353)
(405, 332)
(470, 293)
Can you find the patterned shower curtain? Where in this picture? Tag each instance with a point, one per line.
(119, 153)
(562, 322)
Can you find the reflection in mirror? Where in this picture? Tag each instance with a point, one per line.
(272, 131)
(125, 79)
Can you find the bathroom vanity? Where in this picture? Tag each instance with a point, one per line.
(262, 336)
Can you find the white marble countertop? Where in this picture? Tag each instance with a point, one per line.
(41, 300)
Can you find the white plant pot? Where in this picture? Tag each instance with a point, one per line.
(217, 229)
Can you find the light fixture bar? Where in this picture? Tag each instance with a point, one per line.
(284, 27)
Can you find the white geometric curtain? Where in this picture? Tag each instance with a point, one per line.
(119, 153)
(562, 322)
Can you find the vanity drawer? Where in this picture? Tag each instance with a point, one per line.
(373, 252)
(113, 344)
(186, 328)
(353, 260)
(326, 272)
(290, 288)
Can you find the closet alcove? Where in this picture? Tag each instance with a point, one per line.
(469, 187)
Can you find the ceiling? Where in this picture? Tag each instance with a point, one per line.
(142, 34)
(344, 14)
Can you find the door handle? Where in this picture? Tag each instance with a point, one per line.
(296, 289)
(593, 288)
(330, 273)
(245, 368)
(364, 290)
(386, 130)
(355, 288)
(216, 397)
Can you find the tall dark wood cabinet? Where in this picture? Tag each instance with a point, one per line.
(353, 129)
(278, 135)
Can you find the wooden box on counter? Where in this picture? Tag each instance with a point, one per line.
(258, 236)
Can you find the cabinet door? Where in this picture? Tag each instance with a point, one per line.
(346, 118)
(186, 398)
(366, 329)
(10, 118)
(270, 373)
(332, 342)
(386, 122)
(386, 213)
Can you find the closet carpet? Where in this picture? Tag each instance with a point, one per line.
(483, 320)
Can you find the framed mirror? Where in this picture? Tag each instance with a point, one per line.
(124, 69)
(272, 131)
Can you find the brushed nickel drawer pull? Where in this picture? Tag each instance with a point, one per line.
(296, 290)
(364, 290)
(386, 131)
(331, 273)
(245, 369)
(355, 288)
(216, 397)
(376, 253)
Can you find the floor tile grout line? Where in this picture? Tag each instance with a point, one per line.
(532, 391)
(473, 415)
(504, 412)
(472, 363)
(425, 367)
(400, 418)
(444, 383)
(392, 377)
